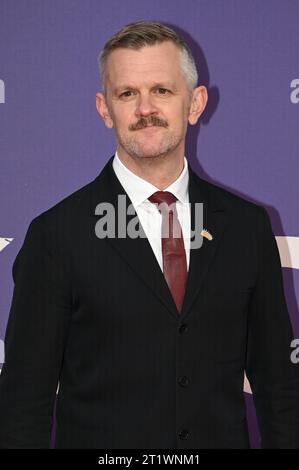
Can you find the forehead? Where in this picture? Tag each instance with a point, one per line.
(159, 63)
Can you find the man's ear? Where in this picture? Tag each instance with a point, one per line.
(102, 109)
(198, 103)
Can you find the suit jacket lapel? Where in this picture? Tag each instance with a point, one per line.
(214, 220)
(138, 254)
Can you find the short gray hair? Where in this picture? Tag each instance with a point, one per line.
(148, 33)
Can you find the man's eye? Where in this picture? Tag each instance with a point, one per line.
(163, 90)
(125, 93)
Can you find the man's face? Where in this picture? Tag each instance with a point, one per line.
(147, 100)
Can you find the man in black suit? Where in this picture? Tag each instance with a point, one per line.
(148, 336)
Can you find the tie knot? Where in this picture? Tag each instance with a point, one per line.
(162, 196)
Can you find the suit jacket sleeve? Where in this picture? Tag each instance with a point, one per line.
(34, 341)
(274, 379)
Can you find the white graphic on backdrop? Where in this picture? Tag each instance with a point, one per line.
(1, 352)
(289, 251)
(4, 242)
(2, 92)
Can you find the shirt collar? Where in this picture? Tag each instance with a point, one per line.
(140, 190)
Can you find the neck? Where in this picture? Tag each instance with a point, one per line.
(160, 171)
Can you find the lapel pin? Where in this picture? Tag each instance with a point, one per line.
(205, 233)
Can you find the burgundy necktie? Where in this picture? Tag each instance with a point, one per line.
(173, 250)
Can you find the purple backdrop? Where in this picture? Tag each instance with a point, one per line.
(52, 141)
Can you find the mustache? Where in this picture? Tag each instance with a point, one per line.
(151, 121)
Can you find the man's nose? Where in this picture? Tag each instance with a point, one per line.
(145, 105)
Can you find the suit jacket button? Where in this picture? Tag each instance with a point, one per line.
(183, 328)
(184, 434)
(184, 381)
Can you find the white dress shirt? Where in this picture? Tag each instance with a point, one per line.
(139, 190)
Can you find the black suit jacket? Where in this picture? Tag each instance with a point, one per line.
(96, 315)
